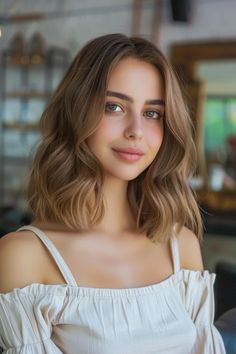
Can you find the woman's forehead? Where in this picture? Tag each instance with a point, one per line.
(133, 76)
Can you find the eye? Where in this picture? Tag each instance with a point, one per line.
(112, 107)
(153, 114)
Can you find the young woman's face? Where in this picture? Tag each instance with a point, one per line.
(131, 131)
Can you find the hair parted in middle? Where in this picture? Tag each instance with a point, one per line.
(66, 179)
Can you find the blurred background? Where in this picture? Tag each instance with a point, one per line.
(38, 39)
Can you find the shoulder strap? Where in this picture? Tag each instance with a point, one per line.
(64, 269)
(175, 252)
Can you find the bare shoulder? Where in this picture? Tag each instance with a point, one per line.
(20, 257)
(190, 250)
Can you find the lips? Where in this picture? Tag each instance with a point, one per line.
(130, 150)
(129, 154)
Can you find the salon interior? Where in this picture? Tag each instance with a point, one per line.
(38, 39)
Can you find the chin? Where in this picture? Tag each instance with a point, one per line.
(124, 176)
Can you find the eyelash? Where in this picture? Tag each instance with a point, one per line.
(107, 110)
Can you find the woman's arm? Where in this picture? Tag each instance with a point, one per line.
(21, 262)
(190, 251)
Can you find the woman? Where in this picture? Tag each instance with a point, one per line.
(111, 262)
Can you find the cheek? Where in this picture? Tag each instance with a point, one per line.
(155, 137)
(104, 132)
(108, 128)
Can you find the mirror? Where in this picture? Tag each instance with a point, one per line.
(209, 72)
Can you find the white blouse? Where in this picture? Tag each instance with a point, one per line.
(174, 316)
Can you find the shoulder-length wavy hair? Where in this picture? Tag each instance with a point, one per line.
(66, 179)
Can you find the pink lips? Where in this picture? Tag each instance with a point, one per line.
(129, 154)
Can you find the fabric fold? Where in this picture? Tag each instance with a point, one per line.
(43, 347)
(208, 341)
(78, 320)
(197, 292)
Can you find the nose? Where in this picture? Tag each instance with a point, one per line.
(134, 128)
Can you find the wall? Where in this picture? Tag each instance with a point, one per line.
(87, 19)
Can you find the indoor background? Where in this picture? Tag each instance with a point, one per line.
(38, 39)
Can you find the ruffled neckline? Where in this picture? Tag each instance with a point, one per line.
(75, 290)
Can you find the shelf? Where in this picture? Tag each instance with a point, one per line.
(26, 84)
(17, 191)
(55, 56)
(26, 61)
(16, 160)
(29, 94)
(21, 126)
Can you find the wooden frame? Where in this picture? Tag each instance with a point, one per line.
(184, 58)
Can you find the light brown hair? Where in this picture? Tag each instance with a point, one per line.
(66, 179)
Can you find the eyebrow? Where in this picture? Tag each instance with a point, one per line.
(130, 99)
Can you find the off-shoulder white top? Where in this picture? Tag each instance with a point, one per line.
(174, 316)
